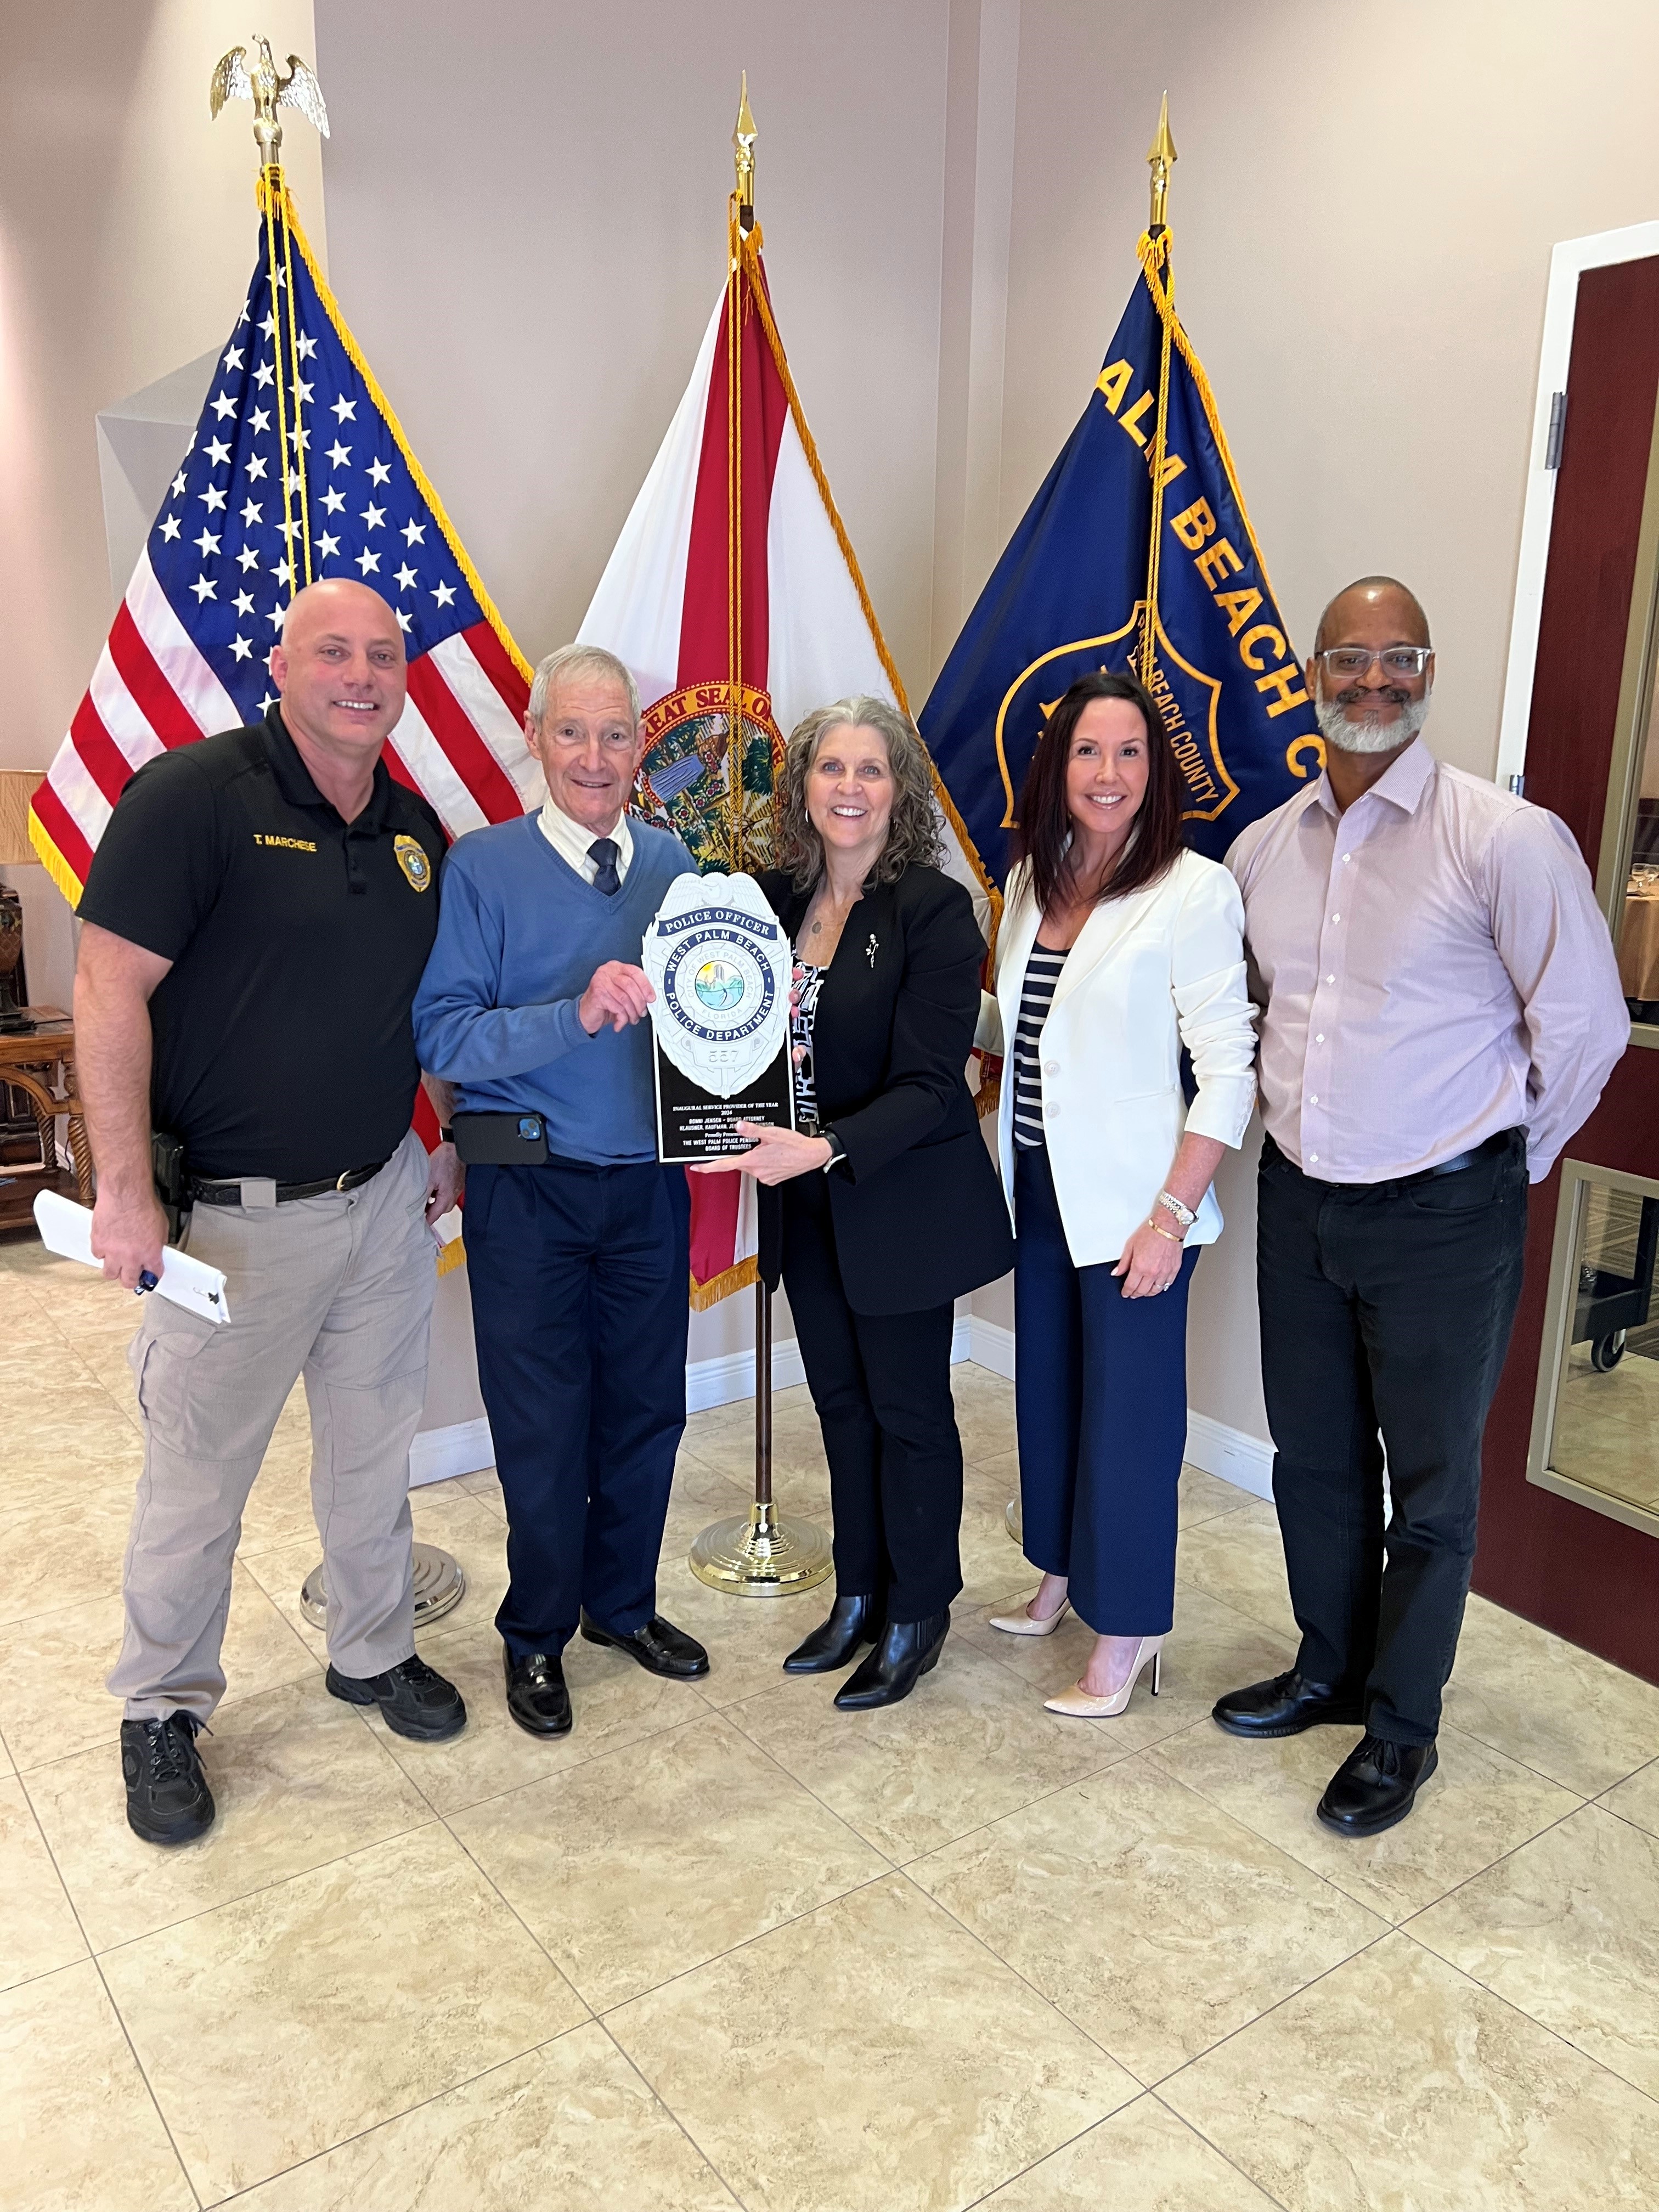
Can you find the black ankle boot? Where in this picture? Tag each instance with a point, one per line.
(904, 1654)
(853, 1620)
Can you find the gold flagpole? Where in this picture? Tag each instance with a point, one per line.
(439, 1582)
(755, 1554)
(1156, 252)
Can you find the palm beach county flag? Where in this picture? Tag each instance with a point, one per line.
(1137, 553)
(298, 471)
(734, 596)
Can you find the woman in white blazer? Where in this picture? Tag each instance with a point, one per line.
(1118, 946)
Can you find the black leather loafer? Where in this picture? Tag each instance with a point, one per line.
(905, 1652)
(536, 1694)
(168, 1800)
(413, 1700)
(1376, 1785)
(853, 1620)
(1286, 1705)
(658, 1647)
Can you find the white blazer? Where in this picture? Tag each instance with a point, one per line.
(1161, 968)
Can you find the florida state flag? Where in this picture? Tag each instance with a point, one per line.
(735, 596)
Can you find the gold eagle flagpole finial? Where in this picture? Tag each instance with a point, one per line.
(1161, 159)
(743, 148)
(269, 88)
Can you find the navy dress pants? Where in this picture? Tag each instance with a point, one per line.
(1386, 1310)
(1100, 1403)
(881, 1388)
(579, 1278)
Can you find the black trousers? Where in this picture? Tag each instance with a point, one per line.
(578, 1305)
(881, 1385)
(1386, 1310)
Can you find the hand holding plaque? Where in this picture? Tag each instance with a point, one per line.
(720, 962)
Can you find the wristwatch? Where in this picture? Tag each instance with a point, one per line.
(445, 1136)
(1183, 1214)
(837, 1151)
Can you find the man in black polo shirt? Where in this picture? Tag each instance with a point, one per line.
(256, 920)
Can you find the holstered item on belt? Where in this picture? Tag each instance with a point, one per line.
(171, 1181)
(500, 1140)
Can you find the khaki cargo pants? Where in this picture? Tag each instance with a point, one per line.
(339, 1289)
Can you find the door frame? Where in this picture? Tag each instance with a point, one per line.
(1637, 241)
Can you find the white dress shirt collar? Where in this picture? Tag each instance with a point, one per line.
(571, 840)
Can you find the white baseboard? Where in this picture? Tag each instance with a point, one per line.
(1233, 1454)
(439, 1455)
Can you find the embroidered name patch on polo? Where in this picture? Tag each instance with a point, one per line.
(411, 858)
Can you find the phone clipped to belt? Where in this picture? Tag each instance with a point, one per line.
(500, 1140)
(171, 1178)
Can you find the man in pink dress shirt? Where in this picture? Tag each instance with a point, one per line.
(1441, 1007)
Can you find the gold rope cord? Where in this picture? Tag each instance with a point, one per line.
(273, 178)
(1159, 256)
(299, 430)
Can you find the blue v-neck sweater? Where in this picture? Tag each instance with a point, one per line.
(518, 938)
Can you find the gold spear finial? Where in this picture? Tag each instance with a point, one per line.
(1161, 158)
(742, 147)
(269, 88)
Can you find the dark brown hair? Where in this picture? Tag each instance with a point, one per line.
(1042, 834)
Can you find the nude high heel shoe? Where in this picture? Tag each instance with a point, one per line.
(1021, 1623)
(1078, 1705)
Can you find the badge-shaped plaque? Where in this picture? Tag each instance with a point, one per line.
(720, 962)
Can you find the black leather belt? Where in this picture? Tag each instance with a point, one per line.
(1486, 1149)
(230, 1194)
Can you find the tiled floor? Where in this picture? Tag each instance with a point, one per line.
(725, 1946)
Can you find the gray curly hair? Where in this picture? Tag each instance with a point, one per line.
(913, 832)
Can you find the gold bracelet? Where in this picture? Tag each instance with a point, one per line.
(1164, 1234)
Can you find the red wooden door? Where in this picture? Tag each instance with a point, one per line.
(1553, 1558)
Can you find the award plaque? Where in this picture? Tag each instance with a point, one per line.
(720, 962)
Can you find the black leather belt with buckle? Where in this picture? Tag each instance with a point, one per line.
(230, 1194)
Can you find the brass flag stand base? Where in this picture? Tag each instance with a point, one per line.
(757, 1554)
(440, 1586)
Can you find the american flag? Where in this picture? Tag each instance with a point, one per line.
(297, 470)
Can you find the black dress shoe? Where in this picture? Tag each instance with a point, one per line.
(536, 1694)
(905, 1651)
(168, 1800)
(1376, 1785)
(413, 1700)
(660, 1648)
(853, 1620)
(1286, 1705)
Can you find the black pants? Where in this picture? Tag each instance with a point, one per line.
(881, 1384)
(1100, 1395)
(1385, 1316)
(579, 1304)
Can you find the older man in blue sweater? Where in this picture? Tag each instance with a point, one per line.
(531, 1007)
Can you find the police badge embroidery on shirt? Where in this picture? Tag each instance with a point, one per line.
(411, 858)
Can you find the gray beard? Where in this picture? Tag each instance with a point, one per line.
(1373, 735)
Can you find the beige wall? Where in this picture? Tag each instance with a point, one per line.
(127, 236)
(1363, 211)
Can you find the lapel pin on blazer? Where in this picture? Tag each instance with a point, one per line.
(871, 950)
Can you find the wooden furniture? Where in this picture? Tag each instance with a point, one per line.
(1639, 945)
(41, 1065)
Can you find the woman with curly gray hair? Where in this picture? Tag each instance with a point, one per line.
(881, 1207)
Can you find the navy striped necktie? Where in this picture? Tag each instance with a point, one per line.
(604, 853)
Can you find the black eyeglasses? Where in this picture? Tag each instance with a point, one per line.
(1347, 661)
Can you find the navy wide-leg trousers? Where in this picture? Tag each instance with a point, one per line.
(1100, 1398)
(579, 1280)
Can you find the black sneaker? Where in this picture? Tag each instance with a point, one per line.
(168, 1800)
(414, 1701)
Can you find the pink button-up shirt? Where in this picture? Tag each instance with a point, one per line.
(1433, 968)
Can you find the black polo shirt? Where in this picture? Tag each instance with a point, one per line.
(282, 1039)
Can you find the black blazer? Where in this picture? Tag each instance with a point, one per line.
(917, 1205)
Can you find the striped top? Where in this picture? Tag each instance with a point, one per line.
(1037, 995)
(803, 1012)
